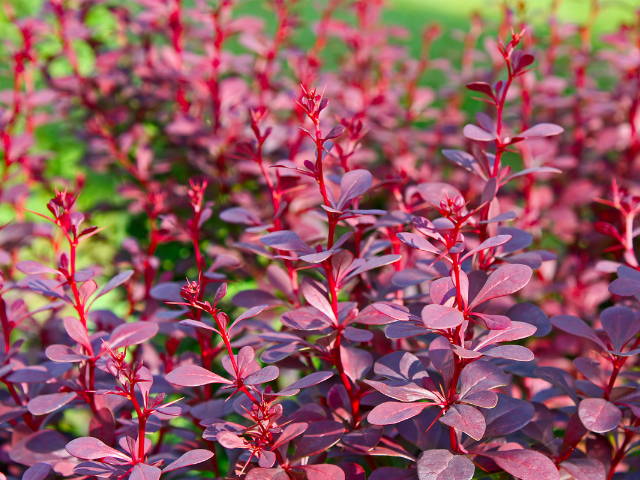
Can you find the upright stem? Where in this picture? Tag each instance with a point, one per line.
(142, 422)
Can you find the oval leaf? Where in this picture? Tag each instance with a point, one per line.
(193, 376)
(129, 334)
(89, 448)
(443, 465)
(440, 317)
(599, 415)
(505, 280)
(389, 413)
(43, 404)
(192, 457)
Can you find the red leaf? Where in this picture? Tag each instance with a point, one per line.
(474, 132)
(389, 413)
(43, 404)
(323, 472)
(440, 317)
(193, 376)
(145, 472)
(443, 465)
(192, 457)
(129, 334)
(542, 130)
(599, 415)
(525, 464)
(89, 448)
(466, 419)
(505, 280)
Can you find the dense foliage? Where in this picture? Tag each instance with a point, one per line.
(313, 265)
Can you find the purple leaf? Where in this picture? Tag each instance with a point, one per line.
(318, 300)
(306, 382)
(306, 318)
(98, 470)
(395, 473)
(584, 468)
(488, 243)
(466, 419)
(33, 374)
(63, 354)
(167, 292)
(409, 392)
(129, 334)
(76, 331)
(481, 87)
(404, 330)
(258, 473)
(43, 404)
(434, 192)
(290, 432)
(318, 257)
(39, 471)
(397, 312)
(529, 171)
(143, 471)
(462, 159)
(231, 440)
(31, 267)
(89, 448)
(323, 472)
(46, 287)
(389, 413)
(443, 465)
(480, 375)
(505, 280)
(361, 265)
(414, 240)
(192, 457)
(318, 437)
(355, 361)
(530, 313)
(440, 317)
(621, 324)
(402, 366)
(286, 240)
(239, 215)
(353, 185)
(482, 398)
(194, 376)
(517, 353)
(474, 132)
(519, 239)
(198, 324)
(628, 282)
(494, 322)
(115, 282)
(508, 416)
(358, 334)
(575, 326)
(250, 313)
(525, 464)
(46, 446)
(515, 331)
(264, 375)
(542, 130)
(441, 356)
(599, 415)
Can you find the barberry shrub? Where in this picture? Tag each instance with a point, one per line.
(313, 263)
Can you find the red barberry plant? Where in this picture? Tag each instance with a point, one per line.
(268, 243)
